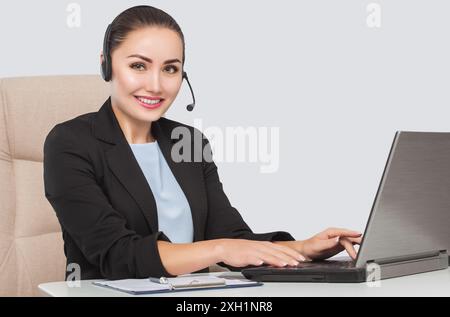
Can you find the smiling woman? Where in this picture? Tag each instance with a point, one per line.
(127, 209)
(137, 43)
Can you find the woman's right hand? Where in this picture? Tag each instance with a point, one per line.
(241, 252)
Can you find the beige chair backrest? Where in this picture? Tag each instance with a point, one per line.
(31, 245)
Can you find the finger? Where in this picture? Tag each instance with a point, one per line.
(267, 247)
(272, 260)
(355, 240)
(336, 232)
(256, 261)
(294, 254)
(283, 257)
(348, 247)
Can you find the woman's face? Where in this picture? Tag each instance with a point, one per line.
(147, 64)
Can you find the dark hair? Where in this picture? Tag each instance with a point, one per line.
(141, 16)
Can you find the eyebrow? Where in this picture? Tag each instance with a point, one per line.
(175, 60)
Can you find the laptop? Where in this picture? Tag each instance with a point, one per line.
(408, 228)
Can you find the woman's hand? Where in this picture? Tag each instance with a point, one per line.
(240, 253)
(326, 244)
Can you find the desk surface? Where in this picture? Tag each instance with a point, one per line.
(435, 283)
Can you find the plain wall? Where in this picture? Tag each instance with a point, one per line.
(336, 88)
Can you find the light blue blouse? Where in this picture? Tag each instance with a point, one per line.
(174, 213)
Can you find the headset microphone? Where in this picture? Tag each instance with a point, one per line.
(191, 106)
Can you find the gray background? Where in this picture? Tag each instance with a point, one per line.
(337, 89)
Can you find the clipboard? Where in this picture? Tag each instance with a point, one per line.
(176, 284)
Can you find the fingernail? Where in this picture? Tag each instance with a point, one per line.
(301, 258)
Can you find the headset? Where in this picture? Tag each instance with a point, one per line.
(106, 66)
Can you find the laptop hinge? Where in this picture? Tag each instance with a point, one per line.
(412, 264)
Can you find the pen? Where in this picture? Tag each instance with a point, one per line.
(161, 280)
(190, 282)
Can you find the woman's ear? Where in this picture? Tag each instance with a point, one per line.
(101, 57)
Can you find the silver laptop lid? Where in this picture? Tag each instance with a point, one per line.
(411, 212)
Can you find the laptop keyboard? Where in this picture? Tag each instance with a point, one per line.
(320, 264)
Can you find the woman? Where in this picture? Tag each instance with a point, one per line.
(127, 209)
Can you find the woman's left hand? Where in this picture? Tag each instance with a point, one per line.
(327, 243)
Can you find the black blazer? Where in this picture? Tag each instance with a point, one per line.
(106, 208)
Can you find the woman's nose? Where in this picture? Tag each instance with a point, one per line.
(153, 82)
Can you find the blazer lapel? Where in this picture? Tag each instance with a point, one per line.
(123, 164)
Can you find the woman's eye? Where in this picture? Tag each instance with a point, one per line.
(138, 66)
(175, 69)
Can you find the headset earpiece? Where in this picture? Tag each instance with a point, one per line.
(106, 64)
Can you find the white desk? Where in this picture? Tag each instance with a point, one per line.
(435, 283)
